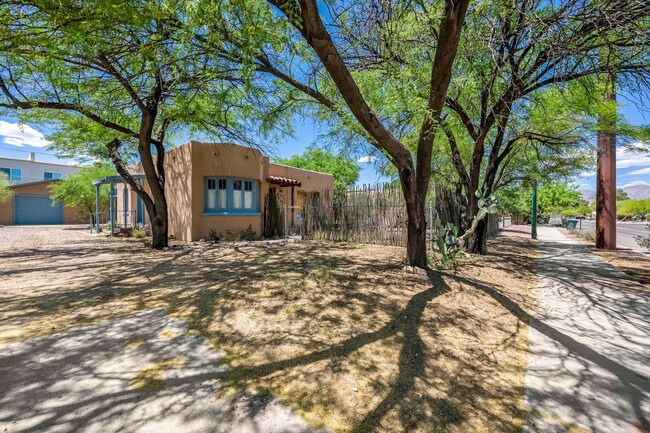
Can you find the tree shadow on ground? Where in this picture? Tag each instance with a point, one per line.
(306, 322)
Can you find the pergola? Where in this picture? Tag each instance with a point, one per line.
(111, 180)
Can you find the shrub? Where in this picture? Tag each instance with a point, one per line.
(633, 208)
(643, 241)
(448, 247)
(139, 232)
(588, 235)
(246, 234)
(215, 236)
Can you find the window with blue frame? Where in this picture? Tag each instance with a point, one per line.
(14, 174)
(50, 175)
(227, 195)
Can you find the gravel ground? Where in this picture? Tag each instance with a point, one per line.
(138, 372)
(335, 331)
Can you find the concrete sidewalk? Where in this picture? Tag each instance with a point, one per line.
(589, 366)
(102, 378)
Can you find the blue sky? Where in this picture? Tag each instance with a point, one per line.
(18, 141)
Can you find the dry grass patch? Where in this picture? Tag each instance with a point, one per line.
(151, 378)
(337, 331)
(633, 263)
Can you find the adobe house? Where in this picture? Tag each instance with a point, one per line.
(31, 205)
(223, 187)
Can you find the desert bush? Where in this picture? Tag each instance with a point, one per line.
(246, 234)
(588, 235)
(633, 208)
(643, 241)
(215, 236)
(139, 232)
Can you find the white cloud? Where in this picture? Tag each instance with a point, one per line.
(587, 174)
(366, 159)
(642, 171)
(16, 134)
(635, 183)
(625, 159)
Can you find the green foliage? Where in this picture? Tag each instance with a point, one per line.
(139, 232)
(633, 208)
(247, 234)
(552, 197)
(104, 61)
(215, 236)
(78, 189)
(621, 195)
(345, 170)
(5, 193)
(577, 211)
(448, 246)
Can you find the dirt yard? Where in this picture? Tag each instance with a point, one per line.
(336, 331)
(633, 263)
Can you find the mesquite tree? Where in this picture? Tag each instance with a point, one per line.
(530, 59)
(524, 92)
(349, 103)
(116, 80)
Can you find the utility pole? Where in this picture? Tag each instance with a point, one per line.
(606, 176)
(533, 212)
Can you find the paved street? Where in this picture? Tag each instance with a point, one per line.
(625, 232)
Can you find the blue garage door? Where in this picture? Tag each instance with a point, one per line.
(36, 209)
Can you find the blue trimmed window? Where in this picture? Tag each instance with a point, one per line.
(14, 174)
(48, 175)
(224, 195)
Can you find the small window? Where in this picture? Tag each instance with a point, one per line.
(223, 194)
(237, 196)
(248, 194)
(212, 194)
(13, 174)
(50, 175)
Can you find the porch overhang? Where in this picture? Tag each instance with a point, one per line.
(107, 180)
(283, 181)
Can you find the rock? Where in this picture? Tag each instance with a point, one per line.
(415, 270)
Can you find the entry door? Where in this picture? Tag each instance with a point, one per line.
(140, 211)
(32, 209)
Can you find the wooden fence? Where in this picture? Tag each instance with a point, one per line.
(373, 215)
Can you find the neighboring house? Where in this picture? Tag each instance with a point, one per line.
(29, 170)
(31, 203)
(222, 187)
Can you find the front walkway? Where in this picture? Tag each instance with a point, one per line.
(137, 373)
(589, 366)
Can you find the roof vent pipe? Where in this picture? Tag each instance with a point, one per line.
(31, 157)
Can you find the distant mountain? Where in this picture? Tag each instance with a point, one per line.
(588, 195)
(638, 192)
(635, 192)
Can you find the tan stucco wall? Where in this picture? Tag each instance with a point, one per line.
(227, 160)
(311, 181)
(41, 188)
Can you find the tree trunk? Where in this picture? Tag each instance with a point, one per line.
(416, 246)
(157, 212)
(416, 224)
(477, 241)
